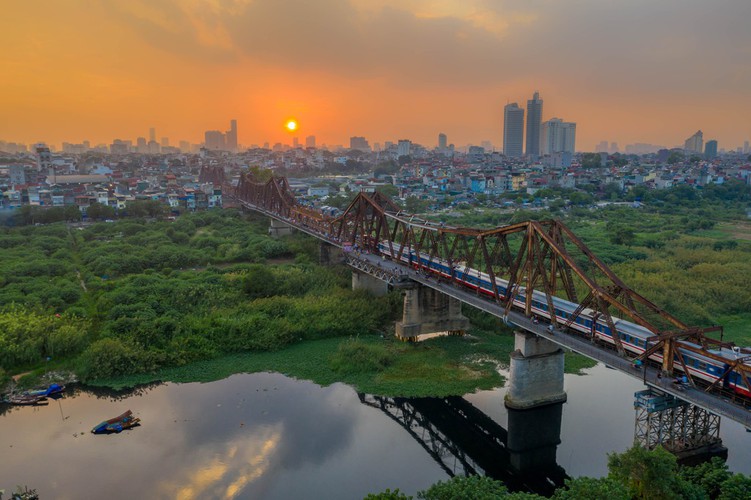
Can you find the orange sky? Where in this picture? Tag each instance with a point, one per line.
(626, 71)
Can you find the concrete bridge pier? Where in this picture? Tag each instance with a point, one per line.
(536, 374)
(533, 438)
(361, 281)
(279, 228)
(329, 254)
(429, 311)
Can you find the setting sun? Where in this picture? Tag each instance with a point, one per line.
(291, 125)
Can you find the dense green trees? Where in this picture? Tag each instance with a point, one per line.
(634, 474)
(134, 296)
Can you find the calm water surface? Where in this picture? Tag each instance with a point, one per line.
(268, 436)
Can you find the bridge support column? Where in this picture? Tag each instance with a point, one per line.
(533, 438)
(429, 311)
(278, 228)
(329, 254)
(375, 286)
(536, 374)
(684, 429)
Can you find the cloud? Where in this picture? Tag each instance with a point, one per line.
(671, 45)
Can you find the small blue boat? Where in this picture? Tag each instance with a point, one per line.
(117, 424)
(49, 391)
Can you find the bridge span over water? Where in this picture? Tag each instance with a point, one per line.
(537, 276)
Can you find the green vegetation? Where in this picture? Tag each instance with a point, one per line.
(441, 367)
(145, 298)
(634, 474)
(207, 296)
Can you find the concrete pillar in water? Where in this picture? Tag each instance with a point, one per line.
(533, 438)
(536, 374)
(375, 286)
(279, 228)
(429, 311)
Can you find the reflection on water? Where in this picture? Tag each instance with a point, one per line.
(464, 441)
(248, 436)
(268, 436)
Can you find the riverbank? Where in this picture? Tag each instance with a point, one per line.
(447, 366)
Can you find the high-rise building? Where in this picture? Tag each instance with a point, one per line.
(295, 142)
(442, 142)
(231, 137)
(558, 137)
(359, 144)
(513, 130)
(141, 146)
(613, 147)
(534, 124)
(602, 147)
(185, 146)
(746, 149)
(152, 134)
(695, 143)
(310, 141)
(214, 140)
(403, 147)
(710, 149)
(165, 142)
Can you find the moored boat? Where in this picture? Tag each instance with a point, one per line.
(27, 399)
(117, 424)
(49, 391)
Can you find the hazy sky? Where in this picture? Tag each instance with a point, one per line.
(628, 71)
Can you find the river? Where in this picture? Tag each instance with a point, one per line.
(268, 436)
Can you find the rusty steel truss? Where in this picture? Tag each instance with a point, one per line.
(542, 256)
(677, 426)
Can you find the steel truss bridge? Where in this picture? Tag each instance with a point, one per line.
(542, 256)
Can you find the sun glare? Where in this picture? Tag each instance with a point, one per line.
(291, 125)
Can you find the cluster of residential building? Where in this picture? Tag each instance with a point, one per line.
(46, 178)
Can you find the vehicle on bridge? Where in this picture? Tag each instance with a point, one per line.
(633, 337)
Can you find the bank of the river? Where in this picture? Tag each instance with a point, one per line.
(447, 366)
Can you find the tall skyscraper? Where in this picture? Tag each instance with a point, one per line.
(442, 142)
(310, 141)
(695, 143)
(710, 149)
(214, 140)
(513, 130)
(534, 123)
(152, 134)
(231, 136)
(558, 137)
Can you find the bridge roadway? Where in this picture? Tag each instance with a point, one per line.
(377, 266)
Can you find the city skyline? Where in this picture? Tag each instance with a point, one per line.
(336, 67)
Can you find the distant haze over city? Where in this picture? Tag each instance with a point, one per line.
(626, 72)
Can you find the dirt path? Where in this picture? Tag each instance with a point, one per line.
(83, 284)
(16, 378)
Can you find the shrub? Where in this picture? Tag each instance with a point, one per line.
(354, 356)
